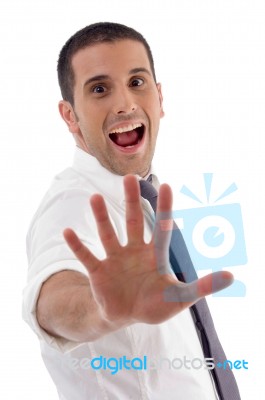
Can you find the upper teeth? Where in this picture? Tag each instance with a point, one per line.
(126, 128)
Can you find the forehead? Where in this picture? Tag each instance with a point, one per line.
(109, 59)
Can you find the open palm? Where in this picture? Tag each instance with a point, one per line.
(131, 284)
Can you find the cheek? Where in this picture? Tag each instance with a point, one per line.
(156, 103)
(156, 110)
(90, 120)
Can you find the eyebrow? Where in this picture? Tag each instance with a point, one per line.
(137, 70)
(97, 78)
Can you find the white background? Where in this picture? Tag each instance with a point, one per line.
(210, 58)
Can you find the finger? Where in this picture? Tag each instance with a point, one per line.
(81, 251)
(163, 228)
(105, 229)
(134, 213)
(215, 282)
(188, 294)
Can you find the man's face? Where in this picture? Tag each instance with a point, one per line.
(117, 105)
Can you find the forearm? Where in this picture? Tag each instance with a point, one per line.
(66, 308)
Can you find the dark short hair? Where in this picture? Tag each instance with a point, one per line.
(92, 34)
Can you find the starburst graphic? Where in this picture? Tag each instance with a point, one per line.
(208, 177)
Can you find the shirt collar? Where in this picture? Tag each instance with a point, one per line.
(103, 180)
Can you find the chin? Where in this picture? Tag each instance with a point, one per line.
(136, 168)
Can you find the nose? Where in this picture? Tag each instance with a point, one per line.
(124, 102)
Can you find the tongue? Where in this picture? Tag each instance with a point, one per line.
(124, 139)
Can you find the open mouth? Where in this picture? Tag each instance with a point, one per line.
(128, 136)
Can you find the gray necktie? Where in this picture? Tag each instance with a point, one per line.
(183, 268)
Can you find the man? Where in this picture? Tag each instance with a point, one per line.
(97, 295)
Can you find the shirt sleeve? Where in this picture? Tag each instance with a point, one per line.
(48, 253)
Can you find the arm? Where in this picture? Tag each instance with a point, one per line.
(129, 285)
(66, 308)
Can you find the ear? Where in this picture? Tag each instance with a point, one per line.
(68, 115)
(70, 118)
(159, 89)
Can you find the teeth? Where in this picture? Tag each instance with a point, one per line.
(126, 128)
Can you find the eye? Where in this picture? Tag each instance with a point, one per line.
(137, 82)
(99, 89)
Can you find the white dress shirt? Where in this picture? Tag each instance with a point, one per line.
(158, 351)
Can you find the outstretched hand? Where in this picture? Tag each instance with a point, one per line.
(130, 284)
